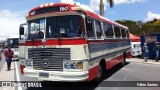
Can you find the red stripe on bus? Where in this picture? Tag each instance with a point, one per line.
(57, 42)
(68, 42)
(128, 55)
(93, 73)
(111, 63)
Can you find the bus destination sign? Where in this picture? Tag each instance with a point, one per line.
(49, 10)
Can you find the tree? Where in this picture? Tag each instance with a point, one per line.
(101, 6)
(133, 27)
(150, 27)
(111, 3)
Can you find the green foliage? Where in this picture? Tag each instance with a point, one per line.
(111, 3)
(146, 28)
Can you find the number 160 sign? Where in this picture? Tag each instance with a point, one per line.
(65, 8)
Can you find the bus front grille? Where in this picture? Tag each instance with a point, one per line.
(49, 59)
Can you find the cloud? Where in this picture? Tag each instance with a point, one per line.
(94, 4)
(9, 22)
(127, 1)
(151, 16)
(3, 36)
(67, 1)
(77, 3)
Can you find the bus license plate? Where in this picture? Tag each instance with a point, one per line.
(44, 75)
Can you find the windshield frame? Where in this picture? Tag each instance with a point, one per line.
(38, 31)
(45, 25)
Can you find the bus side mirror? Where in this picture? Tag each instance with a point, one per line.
(21, 30)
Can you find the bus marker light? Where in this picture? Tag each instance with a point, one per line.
(80, 65)
(41, 6)
(51, 4)
(46, 4)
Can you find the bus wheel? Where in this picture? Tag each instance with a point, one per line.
(101, 71)
(124, 60)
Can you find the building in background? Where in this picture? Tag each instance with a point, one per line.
(150, 39)
(2, 43)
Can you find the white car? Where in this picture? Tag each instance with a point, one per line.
(136, 49)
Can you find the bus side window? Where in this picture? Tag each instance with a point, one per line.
(117, 32)
(123, 32)
(98, 29)
(127, 33)
(108, 30)
(89, 27)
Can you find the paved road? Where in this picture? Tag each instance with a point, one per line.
(131, 72)
(2, 62)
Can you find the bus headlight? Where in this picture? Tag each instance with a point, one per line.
(29, 63)
(73, 65)
(67, 65)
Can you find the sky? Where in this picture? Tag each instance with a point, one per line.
(13, 12)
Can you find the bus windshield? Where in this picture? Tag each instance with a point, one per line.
(12, 43)
(58, 26)
(36, 29)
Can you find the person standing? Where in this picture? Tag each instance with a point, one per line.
(145, 51)
(157, 49)
(8, 56)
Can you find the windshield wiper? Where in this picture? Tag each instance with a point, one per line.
(35, 34)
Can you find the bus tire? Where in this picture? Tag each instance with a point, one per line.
(101, 71)
(123, 63)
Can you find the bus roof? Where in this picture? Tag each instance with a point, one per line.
(14, 36)
(70, 8)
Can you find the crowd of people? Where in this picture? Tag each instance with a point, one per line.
(156, 48)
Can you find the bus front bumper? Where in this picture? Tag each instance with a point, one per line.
(65, 76)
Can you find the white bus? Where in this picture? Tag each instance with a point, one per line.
(65, 42)
(13, 43)
(136, 49)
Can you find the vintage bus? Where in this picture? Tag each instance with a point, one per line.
(65, 42)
